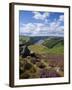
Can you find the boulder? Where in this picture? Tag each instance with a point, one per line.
(25, 52)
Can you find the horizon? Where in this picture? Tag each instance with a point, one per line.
(41, 36)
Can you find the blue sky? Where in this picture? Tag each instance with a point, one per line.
(36, 23)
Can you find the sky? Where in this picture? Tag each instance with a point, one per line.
(38, 23)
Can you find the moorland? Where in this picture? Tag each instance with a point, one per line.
(41, 57)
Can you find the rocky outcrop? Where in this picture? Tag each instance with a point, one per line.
(24, 52)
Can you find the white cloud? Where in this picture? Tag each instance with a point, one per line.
(61, 18)
(47, 28)
(41, 16)
(27, 28)
(42, 29)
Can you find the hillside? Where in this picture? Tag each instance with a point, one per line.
(45, 58)
(53, 42)
(42, 49)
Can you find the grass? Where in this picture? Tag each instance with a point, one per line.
(40, 49)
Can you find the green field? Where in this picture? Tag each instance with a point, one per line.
(40, 49)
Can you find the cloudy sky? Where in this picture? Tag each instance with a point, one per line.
(34, 23)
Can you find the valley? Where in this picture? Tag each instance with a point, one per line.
(41, 57)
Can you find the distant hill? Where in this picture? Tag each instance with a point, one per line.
(53, 42)
(39, 39)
